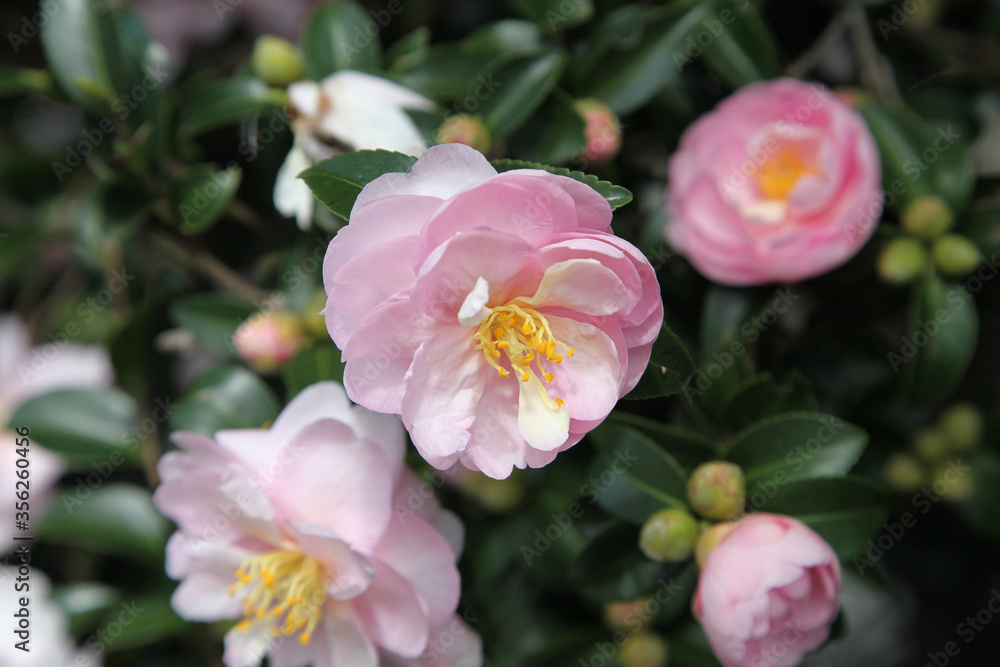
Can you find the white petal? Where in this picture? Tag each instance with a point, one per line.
(305, 97)
(292, 197)
(543, 423)
(348, 83)
(474, 310)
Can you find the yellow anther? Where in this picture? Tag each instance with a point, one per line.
(559, 402)
(525, 377)
(549, 377)
(305, 638)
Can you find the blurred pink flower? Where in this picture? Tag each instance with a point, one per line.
(601, 129)
(768, 592)
(781, 182)
(497, 313)
(294, 529)
(26, 372)
(346, 110)
(266, 341)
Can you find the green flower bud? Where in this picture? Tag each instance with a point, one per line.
(904, 473)
(717, 490)
(962, 425)
(931, 445)
(902, 260)
(928, 217)
(955, 255)
(276, 61)
(669, 535)
(952, 485)
(712, 538)
(644, 650)
(629, 616)
(465, 129)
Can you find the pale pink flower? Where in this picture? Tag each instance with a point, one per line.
(781, 182)
(293, 529)
(497, 313)
(25, 373)
(768, 592)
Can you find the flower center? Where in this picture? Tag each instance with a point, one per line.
(781, 172)
(283, 584)
(523, 334)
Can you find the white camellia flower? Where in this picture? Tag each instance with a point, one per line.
(346, 111)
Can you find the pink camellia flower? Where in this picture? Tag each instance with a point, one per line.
(781, 182)
(295, 529)
(497, 313)
(25, 373)
(768, 592)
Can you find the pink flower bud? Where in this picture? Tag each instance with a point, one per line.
(465, 129)
(266, 341)
(603, 132)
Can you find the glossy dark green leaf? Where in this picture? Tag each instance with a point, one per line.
(555, 135)
(224, 103)
(846, 512)
(338, 181)
(504, 38)
(555, 15)
(616, 195)
(761, 396)
(445, 74)
(203, 194)
(634, 477)
(85, 426)
(337, 36)
(689, 448)
(941, 338)
(212, 318)
(225, 397)
(669, 367)
(315, 364)
(724, 364)
(511, 88)
(796, 446)
(83, 50)
(116, 519)
(741, 48)
(612, 568)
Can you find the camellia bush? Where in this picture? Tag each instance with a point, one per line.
(572, 333)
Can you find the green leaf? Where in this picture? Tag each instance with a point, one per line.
(635, 52)
(616, 195)
(117, 519)
(555, 15)
(669, 367)
(212, 318)
(316, 364)
(84, 603)
(225, 397)
(634, 477)
(761, 396)
(612, 568)
(152, 620)
(228, 102)
(203, 194)
(982, 225)
(411, 49)
(85, 426)
(742, 49)
(504, 38)
(511, 88)
(797, 446)
(335, 37)
(982, 508)
(689, 448)
(338, 181)
(445, 73)
(940, 342)
(725, 312)
(83, 50)
(558, 135)
(846, 512)
(20, 80)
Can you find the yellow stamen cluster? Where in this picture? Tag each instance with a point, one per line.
(524, 335)
(282, 583)
(781, 172)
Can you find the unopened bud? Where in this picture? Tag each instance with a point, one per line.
(717, 490)
(902, 260)
(904, 473)
(928, 217)
(953, 485)
(644, 649)
(712, 538)
(931, 445)
(629, 616)
(669, 535)
(266, 341)
(601, 128)
(276, 61)
(955, 255)
(962, 425)
(465, 129)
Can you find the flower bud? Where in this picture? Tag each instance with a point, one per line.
(904, 473)
(669, 535)
(928, 217)
(644, 650)
(601, 128)
(931, 445)
(962, 425)
(952, 484)
(266, 341)
(276, 61)
(710, 539)
(717, 490)
(629, 616)
(955, 255)
(902, 260)
(465, 129)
